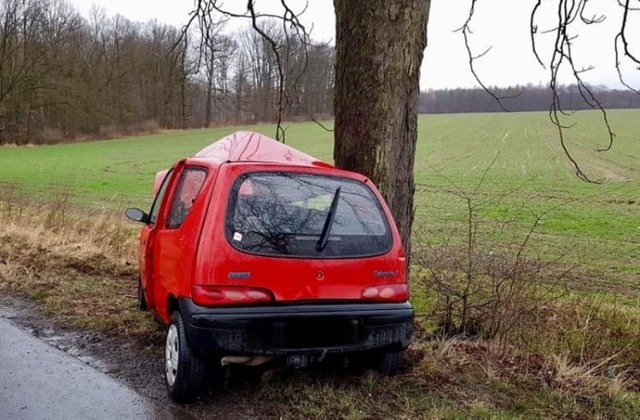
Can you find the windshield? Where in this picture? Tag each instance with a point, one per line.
(286, 213)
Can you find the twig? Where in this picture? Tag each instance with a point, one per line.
(465, 29)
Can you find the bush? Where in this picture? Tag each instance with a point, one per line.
(479, 275)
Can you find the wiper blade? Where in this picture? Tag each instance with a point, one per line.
(328, 223)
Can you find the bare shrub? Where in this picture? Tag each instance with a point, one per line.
(149, 127)
(11, 201)
(484, 280)
(482, 293)
(57, 209)
(108, 132)
(51, 135)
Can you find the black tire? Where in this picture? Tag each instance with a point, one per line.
(388, 362)
(183, 371)
(142, 301)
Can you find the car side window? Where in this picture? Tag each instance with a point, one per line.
(155, 208)
(189, 186)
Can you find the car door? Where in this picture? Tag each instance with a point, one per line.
(147, 241)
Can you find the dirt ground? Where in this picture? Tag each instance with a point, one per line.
(81, 300)
(135, 365)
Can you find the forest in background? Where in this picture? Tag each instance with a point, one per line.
(67, 77)
(521, 98)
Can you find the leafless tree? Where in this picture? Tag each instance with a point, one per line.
(379, 50)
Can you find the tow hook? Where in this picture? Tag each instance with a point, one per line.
(298, 361)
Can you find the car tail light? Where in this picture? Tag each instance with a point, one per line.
(386, 293)
(229, 295)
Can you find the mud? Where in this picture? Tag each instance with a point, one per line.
(135, 365)
(129, 353)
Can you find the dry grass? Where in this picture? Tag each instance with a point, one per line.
(83, 270)
(587, 379)
(54, 224)
(575, 358)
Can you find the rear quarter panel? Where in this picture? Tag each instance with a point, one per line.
(176, 249)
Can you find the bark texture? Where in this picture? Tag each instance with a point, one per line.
(379, 50)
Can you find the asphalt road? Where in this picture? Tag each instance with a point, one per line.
(38, 381)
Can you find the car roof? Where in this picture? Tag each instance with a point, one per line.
(248, 146)
(255, 148)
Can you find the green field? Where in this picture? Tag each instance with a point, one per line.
(594, 225)
(571, 353)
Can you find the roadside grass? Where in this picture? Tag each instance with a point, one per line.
(578, 359)
(81, 271)
(598, 224)
(65, 244)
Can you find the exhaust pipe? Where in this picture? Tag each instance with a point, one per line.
(245, 360)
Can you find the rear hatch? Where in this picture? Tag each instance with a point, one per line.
(304, 237)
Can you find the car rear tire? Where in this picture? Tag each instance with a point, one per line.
(142, 301)
(388, 362)
(183, 371)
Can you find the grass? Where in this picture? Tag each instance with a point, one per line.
(62, 245)
(113, 172)
(599, 225)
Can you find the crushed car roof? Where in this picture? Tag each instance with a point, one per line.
(248, 146)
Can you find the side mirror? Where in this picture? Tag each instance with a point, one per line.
(137, 215)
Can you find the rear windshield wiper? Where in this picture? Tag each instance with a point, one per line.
(326, 229)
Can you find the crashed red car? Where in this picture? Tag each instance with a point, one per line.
(255, 251)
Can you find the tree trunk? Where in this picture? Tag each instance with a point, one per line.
(376, 105)
(207, 115)
(210, 57)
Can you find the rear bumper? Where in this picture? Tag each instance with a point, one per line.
(296, 329)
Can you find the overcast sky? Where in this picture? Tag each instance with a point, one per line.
(502, 25)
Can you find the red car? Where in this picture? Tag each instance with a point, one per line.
(253, 250)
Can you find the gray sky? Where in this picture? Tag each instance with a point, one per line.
(500, 24)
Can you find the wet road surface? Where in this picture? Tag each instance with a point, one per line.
(41, 382)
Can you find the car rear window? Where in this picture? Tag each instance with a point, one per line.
(285, 214)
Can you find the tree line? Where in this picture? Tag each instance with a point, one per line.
(63, 76)
(521, 98)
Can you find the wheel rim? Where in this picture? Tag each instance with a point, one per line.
(171, 355)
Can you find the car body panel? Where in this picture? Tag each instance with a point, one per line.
(197, 251)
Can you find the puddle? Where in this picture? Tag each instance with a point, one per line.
(70, 342)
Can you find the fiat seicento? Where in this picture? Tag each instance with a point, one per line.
(254, 251)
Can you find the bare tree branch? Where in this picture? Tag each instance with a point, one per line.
(280, 132)
(534, 30)
(621, 38)
(592, 20)
(618, 69)
(203, 12)
(627, 6)
(567, 13)
(465, 29)
(562, 51)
